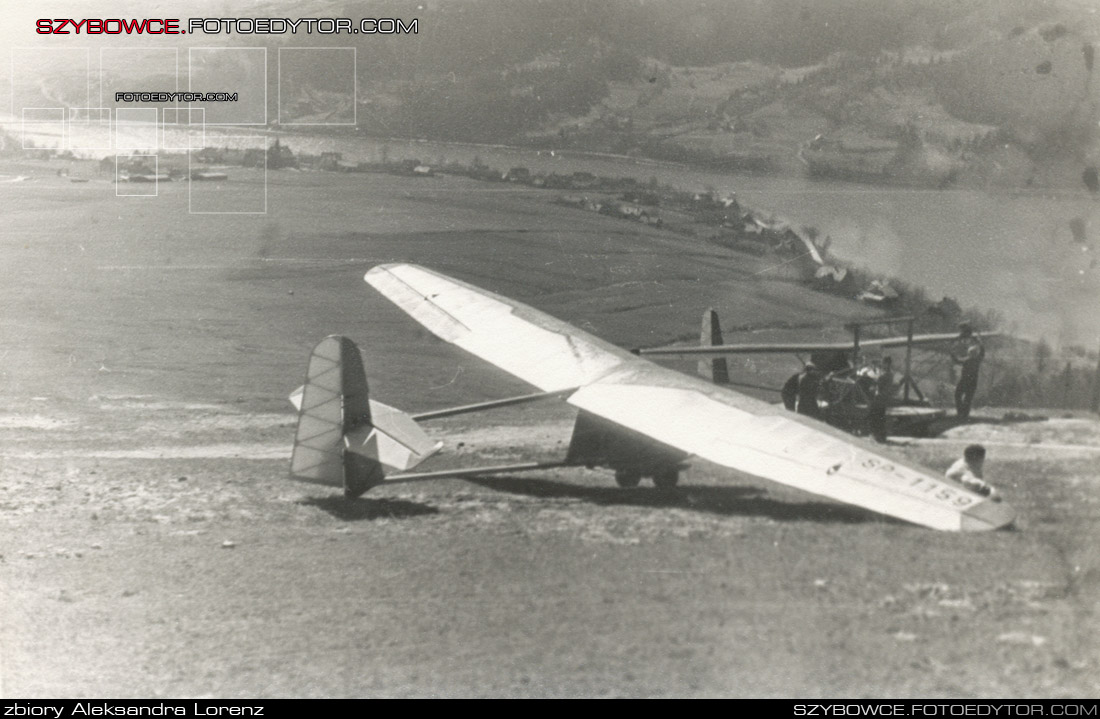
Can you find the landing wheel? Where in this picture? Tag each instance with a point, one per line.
(666, 478)
(627, 477)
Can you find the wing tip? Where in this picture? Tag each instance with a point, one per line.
(988, 515)
(378, 270)
(387, 268)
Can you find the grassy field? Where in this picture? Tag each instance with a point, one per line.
(153, 545)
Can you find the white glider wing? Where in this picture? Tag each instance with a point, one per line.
(738, 432)
(688, 413)
(522, 341)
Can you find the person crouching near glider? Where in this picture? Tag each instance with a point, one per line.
(967, 471)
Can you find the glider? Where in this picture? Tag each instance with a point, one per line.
(634, 417)
(847, 401)
(721, 350)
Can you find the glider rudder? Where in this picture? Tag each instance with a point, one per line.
(344, 438)
(333, 405)
(716, 369)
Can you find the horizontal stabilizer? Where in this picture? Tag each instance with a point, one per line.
(394, 439)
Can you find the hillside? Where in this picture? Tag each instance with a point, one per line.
(1019, 110)
(924, 92)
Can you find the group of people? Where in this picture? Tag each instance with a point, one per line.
(802, 390)
(967, 471)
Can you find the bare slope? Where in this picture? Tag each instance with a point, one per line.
(153, 546)
(135, 295)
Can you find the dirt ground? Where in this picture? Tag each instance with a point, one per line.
(153, 545)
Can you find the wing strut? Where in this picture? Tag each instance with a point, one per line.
(476, 471)
(492, 404)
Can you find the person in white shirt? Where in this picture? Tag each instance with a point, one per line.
(967, 471)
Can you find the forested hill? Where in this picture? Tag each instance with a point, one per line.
(934, 89)
(985, 89)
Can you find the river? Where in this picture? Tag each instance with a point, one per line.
(1008, 250)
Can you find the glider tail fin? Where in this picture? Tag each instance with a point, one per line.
(716, 370)
(344, 438)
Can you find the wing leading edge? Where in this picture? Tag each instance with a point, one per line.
(714, 423)
(522, 341)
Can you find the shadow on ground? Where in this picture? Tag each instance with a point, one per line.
(939, 426)
(352, 510)
(727, 501)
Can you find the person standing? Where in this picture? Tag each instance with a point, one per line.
(880, 400)
(809, 384)
(789, 393)
(971, 361)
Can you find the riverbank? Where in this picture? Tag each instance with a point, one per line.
(1020, 252)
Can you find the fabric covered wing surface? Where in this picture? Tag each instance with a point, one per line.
(530, 345)
(787, 450)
